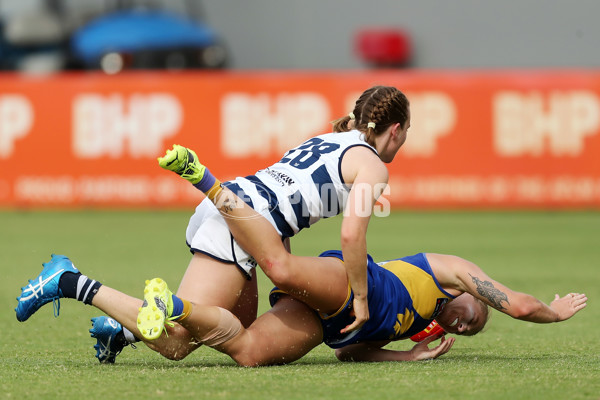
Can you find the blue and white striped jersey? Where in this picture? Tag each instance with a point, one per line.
(304, 186)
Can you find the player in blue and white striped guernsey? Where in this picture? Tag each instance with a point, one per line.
(405, 296)
(305, 186)
(339, 171)
(327, 174)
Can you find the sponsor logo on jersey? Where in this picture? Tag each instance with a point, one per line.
(280, 177)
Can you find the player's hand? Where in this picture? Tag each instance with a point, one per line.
(567, 306)
(421, 351)
(361, 314)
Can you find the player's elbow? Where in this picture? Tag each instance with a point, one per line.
(353, 353)
(525, 311)
(351, 237)
(343, 355)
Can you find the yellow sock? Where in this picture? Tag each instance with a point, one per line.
(187, 310)
(214, 190)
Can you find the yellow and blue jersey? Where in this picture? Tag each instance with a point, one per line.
(404, 297)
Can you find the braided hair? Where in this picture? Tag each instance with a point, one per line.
(375, 110)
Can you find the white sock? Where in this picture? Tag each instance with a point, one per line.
(129, 336)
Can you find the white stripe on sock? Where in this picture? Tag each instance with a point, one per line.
(88, 290)
(80, 284)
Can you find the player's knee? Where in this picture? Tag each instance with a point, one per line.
(179, 345)
(247, 362)
(173, 354)
(175, 350)
(277, 268)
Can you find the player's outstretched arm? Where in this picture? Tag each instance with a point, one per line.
(522, 305)
(468, 277)
(373, 351)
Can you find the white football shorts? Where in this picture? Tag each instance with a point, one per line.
(207, 233)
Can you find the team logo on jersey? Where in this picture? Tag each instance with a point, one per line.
(439, 307)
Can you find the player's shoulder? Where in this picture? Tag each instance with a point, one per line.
(363, 155)
(364, 161)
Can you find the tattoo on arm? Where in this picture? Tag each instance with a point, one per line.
(227, 202)
(227, 206)
(487, 290)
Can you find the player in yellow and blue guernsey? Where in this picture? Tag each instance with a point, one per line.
(313, 302)
(404, 297)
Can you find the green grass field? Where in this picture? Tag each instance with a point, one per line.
(541, 253)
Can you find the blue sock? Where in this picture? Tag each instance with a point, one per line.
(207, 181)
(177, 306)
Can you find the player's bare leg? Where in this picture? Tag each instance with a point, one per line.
(283, 334)
(206, 281)
(210, 282)
(300, 276)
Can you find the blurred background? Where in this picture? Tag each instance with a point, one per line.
(68, 34)
(505, 97)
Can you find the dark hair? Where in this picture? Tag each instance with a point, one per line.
(382, 105)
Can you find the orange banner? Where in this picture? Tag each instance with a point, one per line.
(478, 139)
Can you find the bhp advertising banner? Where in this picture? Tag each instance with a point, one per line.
(477, 139)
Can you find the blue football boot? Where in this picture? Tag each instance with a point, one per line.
(105, 330)
(44, 288)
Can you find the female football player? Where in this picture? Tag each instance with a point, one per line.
(327, 174)
(405, 295)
